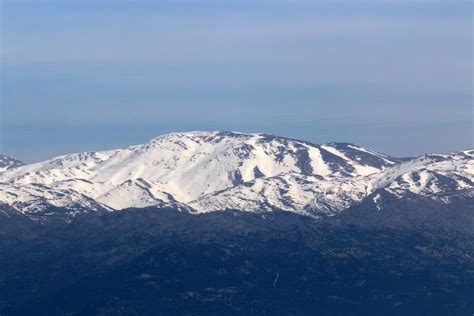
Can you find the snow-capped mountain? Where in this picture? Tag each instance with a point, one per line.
(438, 176)
(210, 171)
(7, 162)
(35, 199)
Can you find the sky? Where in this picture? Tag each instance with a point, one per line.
(81, 75)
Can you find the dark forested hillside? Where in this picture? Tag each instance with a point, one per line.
(161, 261)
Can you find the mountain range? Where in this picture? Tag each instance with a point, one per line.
(226, 223)
(200, 172)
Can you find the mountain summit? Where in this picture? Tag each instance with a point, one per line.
(212, 171)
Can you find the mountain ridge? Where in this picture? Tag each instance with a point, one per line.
(213, 171)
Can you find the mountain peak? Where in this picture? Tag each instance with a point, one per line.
(203, 134)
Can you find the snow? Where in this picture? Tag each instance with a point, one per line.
(36, 198)
(211, 171)
(377, 199)
(360, 169)
(371, 152)
(429, 175)
(7, 163)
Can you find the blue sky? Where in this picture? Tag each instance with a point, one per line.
(395, 76)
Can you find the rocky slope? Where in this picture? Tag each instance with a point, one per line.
(7, 162)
